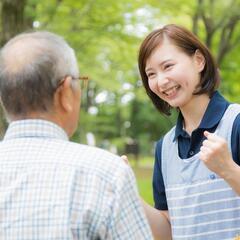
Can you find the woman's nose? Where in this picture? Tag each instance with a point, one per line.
(162, 80)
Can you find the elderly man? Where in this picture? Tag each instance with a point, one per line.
(51, 188)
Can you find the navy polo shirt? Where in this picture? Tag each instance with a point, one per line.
(190, 145)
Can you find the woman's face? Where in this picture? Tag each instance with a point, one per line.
(173, 75)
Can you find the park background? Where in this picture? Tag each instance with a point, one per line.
(116, 114)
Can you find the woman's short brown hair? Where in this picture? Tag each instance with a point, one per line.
(188, 43)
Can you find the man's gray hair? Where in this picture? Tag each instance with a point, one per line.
(31, 67)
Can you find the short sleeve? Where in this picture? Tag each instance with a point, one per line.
(159, 194)
(235, 140)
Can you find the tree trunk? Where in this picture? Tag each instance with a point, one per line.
(12, 23)
(12, 13)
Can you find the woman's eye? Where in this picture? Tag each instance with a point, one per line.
(149, 75)
(167, 66)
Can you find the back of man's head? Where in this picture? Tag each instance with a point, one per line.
(31, 67)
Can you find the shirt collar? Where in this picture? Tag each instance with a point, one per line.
(34, 128)
(213, 114)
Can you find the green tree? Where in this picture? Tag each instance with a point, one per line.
(106, 35)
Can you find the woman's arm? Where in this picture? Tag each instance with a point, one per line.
(159, 222)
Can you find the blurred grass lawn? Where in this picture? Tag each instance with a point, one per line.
(143, 171)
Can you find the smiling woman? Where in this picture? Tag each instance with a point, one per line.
(197, 162)
(167, 75)
(173, 50)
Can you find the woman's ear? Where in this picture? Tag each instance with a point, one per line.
(199, 60)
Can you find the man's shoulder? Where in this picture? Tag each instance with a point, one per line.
(93, 157)
(90, 151)
(62, 154)
(96, 162)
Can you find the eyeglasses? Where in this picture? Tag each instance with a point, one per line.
(83, 81)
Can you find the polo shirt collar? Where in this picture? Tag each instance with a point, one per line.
(34, 128)
(213, 114)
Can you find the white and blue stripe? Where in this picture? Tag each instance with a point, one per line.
(201, 205)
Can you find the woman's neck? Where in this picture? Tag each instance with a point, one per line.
(193, 112)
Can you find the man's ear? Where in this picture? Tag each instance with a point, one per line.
(199, 60)
(65, 95)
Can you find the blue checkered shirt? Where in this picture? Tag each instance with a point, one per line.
(51, 188)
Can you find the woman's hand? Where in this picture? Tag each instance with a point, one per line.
(125, 159)
(216, 155)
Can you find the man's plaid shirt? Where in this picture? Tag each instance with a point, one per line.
(51, 188)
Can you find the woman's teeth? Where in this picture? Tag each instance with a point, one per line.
(171, 90)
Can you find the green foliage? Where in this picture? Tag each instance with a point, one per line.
(145, 190)
(106, 35)
(144, 183)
